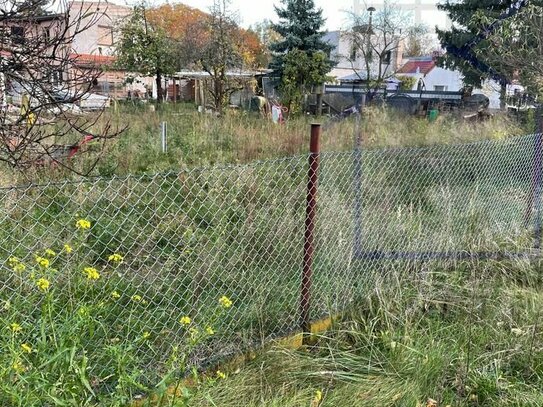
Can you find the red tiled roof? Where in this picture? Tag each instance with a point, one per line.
(413, 66)
(89, 59)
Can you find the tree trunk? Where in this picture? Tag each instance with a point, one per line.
(158, 87)
(503, 94)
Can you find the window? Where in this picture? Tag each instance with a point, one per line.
(386, 57)
(17, 35)
(56, 77)
(440, 88)
(353, 55)
(105, 35)
(46, 34)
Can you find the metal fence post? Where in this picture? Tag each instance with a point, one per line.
(534, 198)
(311, 209)
(538, 177)
(358, 182)
(164, 136)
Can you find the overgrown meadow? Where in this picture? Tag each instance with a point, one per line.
(116, 287)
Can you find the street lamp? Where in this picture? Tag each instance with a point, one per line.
(370, 32)
(371, 10)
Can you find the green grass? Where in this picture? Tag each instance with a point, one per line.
(191, 232)
(468, 334)
(196, 140)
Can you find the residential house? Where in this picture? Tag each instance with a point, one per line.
(24, 41)
(429, 76)
(17, 31)
(94, 47)
(351, 64)
(100, 21)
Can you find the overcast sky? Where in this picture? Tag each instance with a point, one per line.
(335, 11)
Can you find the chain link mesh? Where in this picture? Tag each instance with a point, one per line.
(189, 238)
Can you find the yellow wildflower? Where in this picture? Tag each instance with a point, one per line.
(83, 311)
(50, 253)
(15, 327)
(43, 284)
(92, 273)
(26, 348)
(318, 396)
(42, 262)
(18, 367)
(16, 264)
(13, 261)
(68, 249)
(83, 224)
(115, 295)
(146, 335)
(210, 331)
(136, 298)
(185, 320)
(19, 268)
(221, 375)
(225, 302)
(115, 258)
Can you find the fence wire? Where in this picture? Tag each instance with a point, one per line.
(187, 239)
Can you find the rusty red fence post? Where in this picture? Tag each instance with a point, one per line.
(311, 210)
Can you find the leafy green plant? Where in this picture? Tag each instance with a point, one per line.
(62, 343)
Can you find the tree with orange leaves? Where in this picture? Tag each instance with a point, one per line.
(192, 29)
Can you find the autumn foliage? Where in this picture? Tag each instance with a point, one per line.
(190, 27)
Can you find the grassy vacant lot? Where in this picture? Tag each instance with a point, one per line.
(200, 140)
(196, 140)
(99, 333)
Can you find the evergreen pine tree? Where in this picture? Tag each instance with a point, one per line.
(470, 18)
(300, 26)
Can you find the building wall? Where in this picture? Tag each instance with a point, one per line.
(342, 54)
(103, 20)
(443, 79)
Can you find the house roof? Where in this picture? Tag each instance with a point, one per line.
(414, 66)
(94, 60)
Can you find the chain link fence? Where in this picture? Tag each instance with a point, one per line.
(189, 238)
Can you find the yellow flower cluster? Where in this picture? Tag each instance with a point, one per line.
(92, 273)
(83, 224)
(115, 258)
(185, 320)
(15, 327)
(221, 375)
(317, 399)
(115, 295)
(139, 298)
(210, 331)
(225, 302)
(43, 284)
(18, 367)
(50, 253)
(68, 249)
(26, 348)
(16, 265)
(43, 262)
